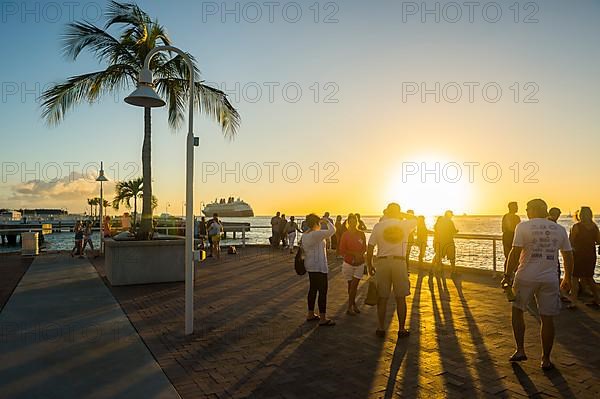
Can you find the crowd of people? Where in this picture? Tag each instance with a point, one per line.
(531, 249)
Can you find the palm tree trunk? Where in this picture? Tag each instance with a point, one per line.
(134, 210)
(146, 225)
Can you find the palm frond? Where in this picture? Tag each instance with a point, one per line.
(126, 14)
(83, 35)
(175, 94)
(214, 103)
(62, 97)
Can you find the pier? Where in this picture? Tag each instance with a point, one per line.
(251, 339)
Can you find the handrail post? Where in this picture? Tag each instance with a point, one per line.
(494, 255)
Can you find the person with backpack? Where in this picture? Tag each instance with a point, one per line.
(315, 262)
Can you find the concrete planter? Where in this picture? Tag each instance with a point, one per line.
(144, 262)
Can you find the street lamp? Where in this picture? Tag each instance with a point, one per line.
(101, 178)
(145, 96)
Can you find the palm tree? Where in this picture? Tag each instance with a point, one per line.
(96, 202)
(124, 56)
(105, 205)
(126, 191)
(90, 202)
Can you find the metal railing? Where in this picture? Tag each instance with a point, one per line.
(244, 228)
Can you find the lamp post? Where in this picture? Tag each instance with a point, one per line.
(145, 96)
(101, 178)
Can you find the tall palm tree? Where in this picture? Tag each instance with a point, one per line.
(96, 202)
(105, 205)
(125, 191)
(124, 56)
(90, 202)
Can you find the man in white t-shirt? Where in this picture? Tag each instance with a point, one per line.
(534, 255)
(390, 236)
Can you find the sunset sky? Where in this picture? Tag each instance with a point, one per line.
(361, 121)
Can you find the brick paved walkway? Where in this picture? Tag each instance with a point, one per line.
(251, 339)
(63, 336)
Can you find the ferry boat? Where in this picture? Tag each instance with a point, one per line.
(228, 208)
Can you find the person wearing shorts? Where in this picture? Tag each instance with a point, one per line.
(214, 235)
(390, 237)
(534, 256)
(352, 247)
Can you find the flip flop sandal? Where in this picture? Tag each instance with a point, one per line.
(350, 313)
(518, 358)
(593, 305)
(314, 318)
(356, 310)
(328, 323)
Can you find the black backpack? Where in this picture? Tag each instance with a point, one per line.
(299, 262)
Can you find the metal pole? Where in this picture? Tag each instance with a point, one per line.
(189, 190)
(101, 219)
(494, 255)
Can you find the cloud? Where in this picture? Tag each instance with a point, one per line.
(69, 191)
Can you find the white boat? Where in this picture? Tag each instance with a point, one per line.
(228, 208)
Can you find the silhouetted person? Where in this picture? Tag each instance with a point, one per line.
(584, 238)
(353, 245)
(78, 248)
(443, 243)
(390, 237)
(282, 234)
(534, 254)
(421, 242)
(509, 224)
(335, 239)
(275, 221)
(553, 216)
(324, 226)
(202, 232)
(291, 229)
(410, 242)
(361, 225)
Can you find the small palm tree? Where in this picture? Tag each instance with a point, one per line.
(124, 57)
(125, 191)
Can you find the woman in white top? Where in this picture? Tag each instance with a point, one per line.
(315, 261)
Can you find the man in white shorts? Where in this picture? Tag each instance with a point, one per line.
(390, 236)
(534, 256)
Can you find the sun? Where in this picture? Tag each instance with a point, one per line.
(430, 186)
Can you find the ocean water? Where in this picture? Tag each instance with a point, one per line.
(470, 253)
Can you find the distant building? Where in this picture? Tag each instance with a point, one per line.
(44, 213)
(7, 215)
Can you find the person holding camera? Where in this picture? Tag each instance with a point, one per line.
(315, 262)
